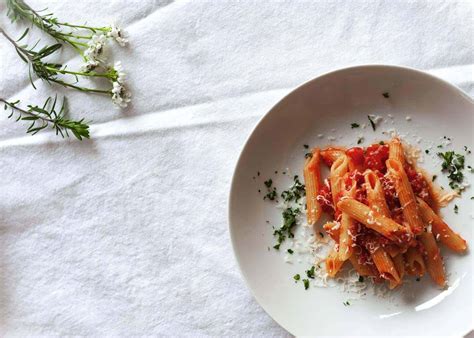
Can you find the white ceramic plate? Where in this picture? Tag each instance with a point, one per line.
(334, 101)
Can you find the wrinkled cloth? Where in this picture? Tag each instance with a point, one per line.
(127, 233)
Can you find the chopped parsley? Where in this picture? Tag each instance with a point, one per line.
(456, 209)
(386, 95)
(305, 146)
(308, 155)
(289, 222)
(466, 149)
(290, 251)
(472, 198)
(360, 140)
(453, 164)
(361, 279)
(296, 277)
(427, 151)
(434, 178)
(271, 191)
(355, 125)
(346, 303)
(268, 183)
(296, 191)
(372, 123)
(310, 272)
(271, 195)
(381, 143)
(470, 169)
(321, 234)
(440, 146)
(306, 284)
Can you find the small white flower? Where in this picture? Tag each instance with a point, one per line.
(120, 95)
(116, 33)
(96, 48)
(121, 75)
(90, 65)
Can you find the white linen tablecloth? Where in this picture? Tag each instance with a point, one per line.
(127, 234)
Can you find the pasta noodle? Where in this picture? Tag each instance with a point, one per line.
(433, 259)
(405, 195)
(312, 178)
(338, 169)
(441, 230)
(375, 221)
(415, 264)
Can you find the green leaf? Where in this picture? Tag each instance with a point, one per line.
(23, 35)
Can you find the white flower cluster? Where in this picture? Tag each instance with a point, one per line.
(116, 33)
(120, 95)
(94, 54)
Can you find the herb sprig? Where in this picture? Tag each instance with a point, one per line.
(453, 164)
(47, 116)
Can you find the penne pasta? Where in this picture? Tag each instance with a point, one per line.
(433, 259)
(396, 151)
(415, 264)
(375, 221)
(405, 195)
(440, 229)
(331, 154)
(399, 263)
(375, 193)
(362, 269)
(338, 169)
(333, 263)
(394, 249)
(312, 179)
(385, 266)
(333, 230)
(347, 225)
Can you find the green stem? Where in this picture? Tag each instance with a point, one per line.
(90, 74)
(102, 29)
(82, 89)
(25, 111)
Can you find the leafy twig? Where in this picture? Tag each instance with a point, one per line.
(47, 115)
(49, 71)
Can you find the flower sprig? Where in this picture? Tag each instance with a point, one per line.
(51, 72)
(88, 41)
(47, 115)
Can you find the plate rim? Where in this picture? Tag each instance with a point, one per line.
(267, 114)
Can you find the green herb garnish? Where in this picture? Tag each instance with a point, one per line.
(290, 251)
(296, 191)
(296, 277)
(372, 123)
(306, 284)
(310, 272)
(360, 140)
(456, 209)
(305, 146)
(453, 164)
(355, 125)
(361, 279)
(289, 222)
(346, 303)
(386, 95)
(434, 178)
